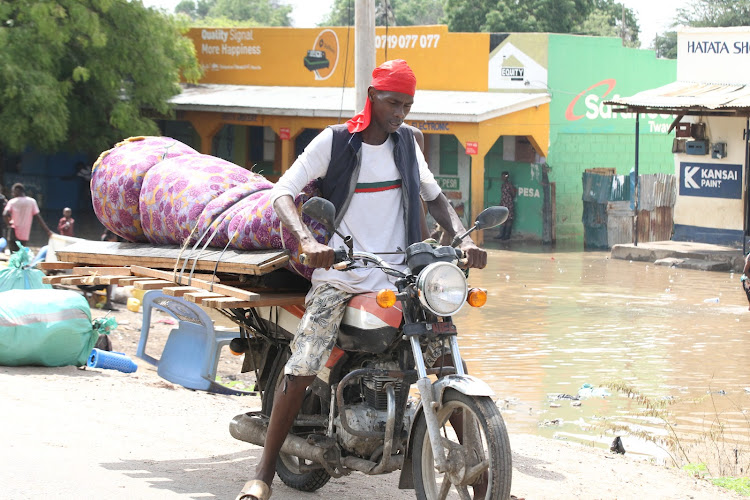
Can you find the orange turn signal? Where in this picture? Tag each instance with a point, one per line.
(386, 298)
(477, 297)
(236, 353)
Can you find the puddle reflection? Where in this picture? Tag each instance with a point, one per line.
(556, 321)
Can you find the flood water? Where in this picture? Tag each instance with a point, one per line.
(556, 320)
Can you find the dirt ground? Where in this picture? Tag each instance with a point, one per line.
(94, 434)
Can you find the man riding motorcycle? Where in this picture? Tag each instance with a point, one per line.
(375, 174)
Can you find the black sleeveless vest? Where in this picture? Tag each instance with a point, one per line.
(341, 179)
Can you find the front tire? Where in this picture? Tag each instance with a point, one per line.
(486, 439)
(288, 466)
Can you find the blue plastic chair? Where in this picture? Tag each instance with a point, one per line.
(192, 351)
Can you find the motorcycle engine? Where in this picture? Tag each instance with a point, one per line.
(372, 413)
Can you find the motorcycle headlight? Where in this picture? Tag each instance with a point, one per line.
(442, 288)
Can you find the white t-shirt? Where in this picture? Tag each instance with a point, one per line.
(22, 210)
(375, 217)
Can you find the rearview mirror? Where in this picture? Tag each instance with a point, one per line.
(321, 210)
(491, 217)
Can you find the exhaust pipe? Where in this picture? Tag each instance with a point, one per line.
(253, 431)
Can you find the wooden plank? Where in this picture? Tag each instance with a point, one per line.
(56, 265)
(267, 299)
(226, 303)
(80, 280)
(151, 284)
(54, 280)
(256, 299)
(200, 296)
(205, 277)
(101, 271)
(110, 280)
(274, 264)
(178, 291)
(203, 285)
(131, 281)
(170, 257)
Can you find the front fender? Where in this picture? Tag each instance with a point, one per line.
(465, 384)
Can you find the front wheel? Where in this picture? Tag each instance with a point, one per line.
(475, 439)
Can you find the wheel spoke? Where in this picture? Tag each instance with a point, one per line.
(472, 440)
(474, 472)
(444, 489)
(463, 492)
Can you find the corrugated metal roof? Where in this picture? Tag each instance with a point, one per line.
(433, 105)
(689, 95)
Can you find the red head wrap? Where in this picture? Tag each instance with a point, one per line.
(393, 76)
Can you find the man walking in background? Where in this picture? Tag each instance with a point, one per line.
(19, 213)
(507, 199)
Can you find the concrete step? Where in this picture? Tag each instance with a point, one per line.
(697, 264)
(687, 255)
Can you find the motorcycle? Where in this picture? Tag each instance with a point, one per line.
(358, 414)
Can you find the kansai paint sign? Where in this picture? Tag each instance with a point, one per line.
(711, 180)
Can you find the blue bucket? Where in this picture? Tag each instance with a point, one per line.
(111, 361)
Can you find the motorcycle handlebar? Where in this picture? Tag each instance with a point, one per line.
(340, 255)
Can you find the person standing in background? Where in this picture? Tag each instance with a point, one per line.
(507, 199)
(19, 213)
(65, 225)
(3, 202)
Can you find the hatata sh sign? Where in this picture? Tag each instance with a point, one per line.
(711, 180)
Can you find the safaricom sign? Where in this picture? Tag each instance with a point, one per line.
(589, 105)
(711, 180)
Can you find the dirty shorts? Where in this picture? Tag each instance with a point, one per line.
(319, 329)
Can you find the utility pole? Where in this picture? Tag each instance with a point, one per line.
(364, 49)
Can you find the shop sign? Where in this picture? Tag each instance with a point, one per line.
(472, 148)
(711, 180)
(285, 133)
(239, 117)
(448, 183)
(431, 126)
(590, 105)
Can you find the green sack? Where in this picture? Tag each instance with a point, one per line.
(18, 275)
(47, 328)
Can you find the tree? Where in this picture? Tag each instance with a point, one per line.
(666, 45)
(236, 12)
(716, 13)
(591, 17)
(194, 9)
(84, 74)
(396, 12)
(608, 18)
(553, 16)
(467, 15)
(702, 14)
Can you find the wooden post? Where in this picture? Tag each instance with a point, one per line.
(364, 50)
(637, 194)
